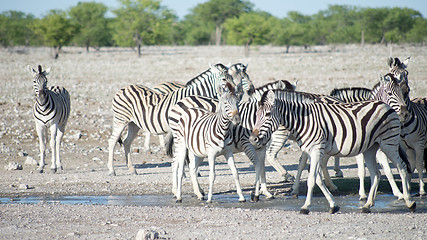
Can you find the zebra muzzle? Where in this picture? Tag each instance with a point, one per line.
(236, 117)
(254, 139)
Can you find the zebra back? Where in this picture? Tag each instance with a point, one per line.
(150, 110)
(352, 94)
(167, 87)
(347, 129)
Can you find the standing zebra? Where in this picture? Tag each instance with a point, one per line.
(161, 88)
(51, 110)
(242, 132)
(322, 130)
(205, 134)
(138, 107)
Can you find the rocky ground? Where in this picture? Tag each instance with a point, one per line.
(92, 80)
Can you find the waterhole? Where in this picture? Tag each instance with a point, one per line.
(383, 203)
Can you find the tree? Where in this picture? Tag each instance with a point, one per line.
(291, 31)
(141, 22)
(218, 11)
(14, 28)
(89, 18)
(55, 29)
(418, 32)
(248, 28)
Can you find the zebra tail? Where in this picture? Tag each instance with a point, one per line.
(404, 158)
(120, 141)
(169, 144)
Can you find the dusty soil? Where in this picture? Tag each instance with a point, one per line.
(92, 80)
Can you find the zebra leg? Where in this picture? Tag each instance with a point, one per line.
(338, 172)
(279, 139)
(53, 134)
(132, 133)
(211, 159)
(115, 136)
(180, 160)
(328, 180)
(59, 136)
(41, 132)
(262, 178)
(419, 164)
(194, 166)
(147, 135)
(369, 156)
(410, 152)
(387, 171)
(162, 141)
(230, 160)
(361, 173)
(301, 165)
(315, 177)
(392, 152)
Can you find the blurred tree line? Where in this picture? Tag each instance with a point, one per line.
(228, 22)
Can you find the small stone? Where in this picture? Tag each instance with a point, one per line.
(23, 186)
(144, 234)
(13, 166)
(30, 161)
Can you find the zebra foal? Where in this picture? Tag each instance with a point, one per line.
(51, 110)
(205, 134)
(323, 130)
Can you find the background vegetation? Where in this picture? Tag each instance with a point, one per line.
(229, 22)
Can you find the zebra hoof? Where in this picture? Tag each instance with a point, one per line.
(294, 195)
(53, 170)
(112, 173)
(40, 170)
(254, 198)
(363, 199)
(334, 210)
(179, 201)
(304, 211)
(366, 210)
(270, 197)
(412, 208)
(242, 200)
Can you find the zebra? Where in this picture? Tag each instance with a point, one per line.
(237, 71)
(161, 88)
(242, 132)
(138, 107)
(205, 134)
(322, 130)
(51, 110)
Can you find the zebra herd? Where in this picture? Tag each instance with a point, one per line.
(220, 112)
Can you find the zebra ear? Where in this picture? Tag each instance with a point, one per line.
(214, 69)
(390, 62)
(31, 70)
(270, 97)
(406, 62)
(47, 71)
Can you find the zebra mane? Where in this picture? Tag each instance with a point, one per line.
(276, 85)
(296, 97)
(193, 81)
(337, 91)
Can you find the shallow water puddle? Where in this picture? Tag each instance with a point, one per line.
(383, 203)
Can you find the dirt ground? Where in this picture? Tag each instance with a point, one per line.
(92, 80)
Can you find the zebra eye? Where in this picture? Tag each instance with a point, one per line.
(268, 114)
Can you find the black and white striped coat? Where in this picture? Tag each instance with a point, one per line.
(201, 133)
(138, 107)
(242, 132)
(51, 110)
(324, 130)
